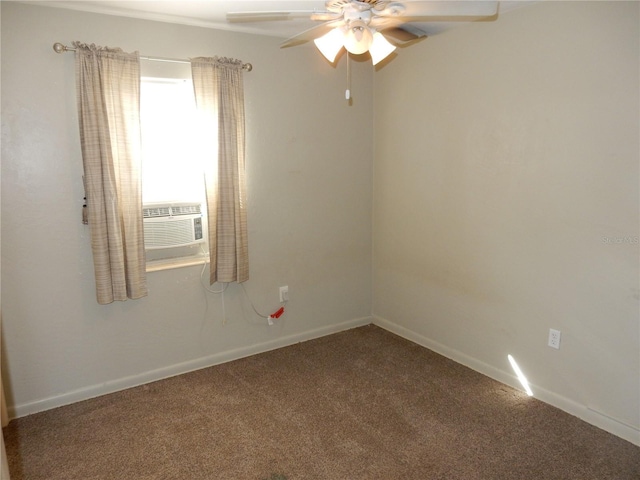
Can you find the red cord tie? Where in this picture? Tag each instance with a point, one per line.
(278, 313)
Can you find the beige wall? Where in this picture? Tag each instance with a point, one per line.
(505, 154)
(506, 201)
(309, 212)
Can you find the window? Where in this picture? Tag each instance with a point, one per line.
(172, 171)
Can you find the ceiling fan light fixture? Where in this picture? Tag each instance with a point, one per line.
(380, 48)
(358, 37)
(330, 44)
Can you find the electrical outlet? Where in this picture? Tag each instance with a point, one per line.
(284, 294)
(554, 338)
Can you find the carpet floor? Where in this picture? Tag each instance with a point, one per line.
(360, 404)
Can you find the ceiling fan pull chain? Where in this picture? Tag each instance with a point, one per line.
(347, 94)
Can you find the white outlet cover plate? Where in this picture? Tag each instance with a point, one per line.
(284, 293)
(554, 338)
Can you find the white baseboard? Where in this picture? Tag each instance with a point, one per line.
(584, 412)
(178, 369)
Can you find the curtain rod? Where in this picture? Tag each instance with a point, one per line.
(60, 48)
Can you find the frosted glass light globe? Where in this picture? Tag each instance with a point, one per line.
(358, 37)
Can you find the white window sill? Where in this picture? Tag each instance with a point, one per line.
(171, 263)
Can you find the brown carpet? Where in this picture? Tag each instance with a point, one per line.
(360, 404)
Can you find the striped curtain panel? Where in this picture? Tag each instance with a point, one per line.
(108, 95)
(4, 414)
(219, 96)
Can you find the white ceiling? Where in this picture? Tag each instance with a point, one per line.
(212, 13)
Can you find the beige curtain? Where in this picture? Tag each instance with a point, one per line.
(4, 415)
(219, 96)
(108, 94)
(4, 466)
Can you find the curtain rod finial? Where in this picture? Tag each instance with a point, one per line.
(59, 48)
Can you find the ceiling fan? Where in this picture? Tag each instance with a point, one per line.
(374, 26)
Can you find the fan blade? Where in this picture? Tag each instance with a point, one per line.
(382, 23)
(268, 16)
(312, 33)
(325, 16)
(404, 34)
(360, 6)
(456, 8)
(389, 9)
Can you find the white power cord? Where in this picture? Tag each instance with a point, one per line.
(269, 318)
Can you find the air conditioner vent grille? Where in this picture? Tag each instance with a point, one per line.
(171, 210)
(153, 212)
(186, 210)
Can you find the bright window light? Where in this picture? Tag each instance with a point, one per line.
(520, 375)
(172, 168)
(172, 157)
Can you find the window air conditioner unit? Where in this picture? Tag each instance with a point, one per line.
(168, 225)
